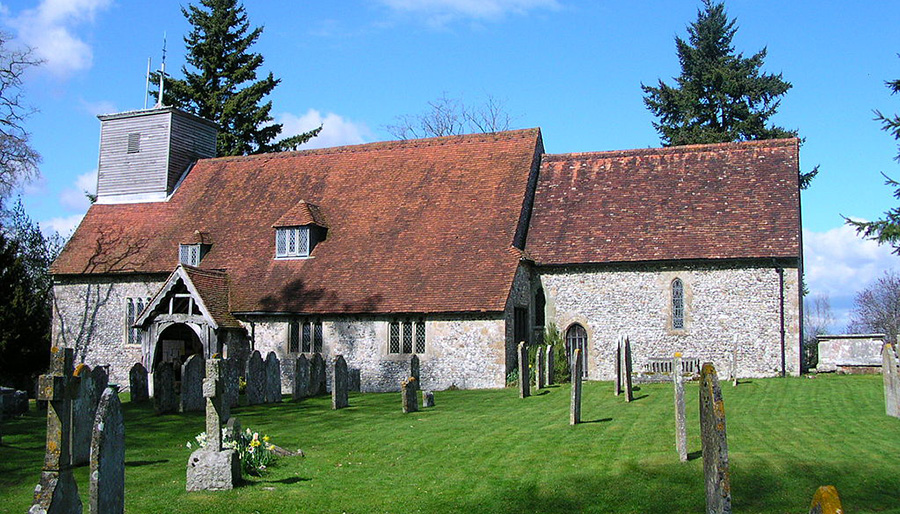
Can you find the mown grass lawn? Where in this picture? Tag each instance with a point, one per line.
(489, 451)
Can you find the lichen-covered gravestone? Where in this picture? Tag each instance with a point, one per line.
(316, 375)
(137, 382)
(408, 389)
(83, 409)
(715, 442)
(680, 430)
(233, 371)
(164, 398)
(340, 384)
(300, 386)
(273, 378)
(891, 377)
(57, 490)
(192, 384)
(427, 399)
(551, 362)
(256, 379)
(415, 370)
(212, 468)
(826, 501)
(524, 375)
(577, 371)
(108, 456)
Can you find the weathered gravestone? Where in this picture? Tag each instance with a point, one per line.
(715, 442)
(340, 383)
(826, 501)
(300, 386)
(57, 491)
(164, 398)
(108, 456)
(1, 418)
(617, 364)
(680, 430)
(540, 374)
(577, 371)
(625, 343)
(415, 370)
(408, 389)
(891, 377)
(355, 380)
(100, 376)
(551, 362)
(212, 468)
(234, 369)
(427, 399)
(524, 375)
(316, 375)
(192, 384)
(734, 361)
(273, 378)
(83, 409)
(256, 379)
(137, 382)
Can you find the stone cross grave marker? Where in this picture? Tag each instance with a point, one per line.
(427, 399)
(415, 369)
(715, 442)
(300, 386)
(891, 378)
(137, 382)
(57, 490)
(316, 375)
(233, 371)
(164, 399)
(540, 371)
(192, 384)
(408, 388)
(734, 361)
(551, 362)
(826, 501)
(524, 375)
(212, 468)
(626, 369)
(577, 371)
(256, 379)
(273, 378)
(340, 384)
(83, 409)
(680, 430)
(107, 493)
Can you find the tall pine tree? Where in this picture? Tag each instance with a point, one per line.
(720, 96)
(220, 81)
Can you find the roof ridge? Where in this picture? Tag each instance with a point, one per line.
(389, 145)
(667, 150)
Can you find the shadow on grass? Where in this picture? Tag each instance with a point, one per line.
(287, 481)
(695, 455)
(601, 420)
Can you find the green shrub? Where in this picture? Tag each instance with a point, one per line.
(561, 372)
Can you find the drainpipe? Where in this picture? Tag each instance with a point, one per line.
(780, 272)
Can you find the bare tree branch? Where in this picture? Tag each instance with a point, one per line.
(18, 160)
(448, 116)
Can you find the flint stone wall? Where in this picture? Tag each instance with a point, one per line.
(738, 298)
(850, 352)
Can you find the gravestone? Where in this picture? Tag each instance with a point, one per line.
(83, 409)
(100, 375)
(300, 385)
(577, 371)
(524, 375)
(540, 374)
(273, 378)
(232, 427)
(617, 364)
(137, 382)
(891, 378)
(626, 369)
(826, 501)
(57, 490)
(680, 430)
(316, 375)
(551, 363)
(164, 398)
(108, 456)
(715, 442)
(408, 389)
(2, 398)
(192, 384)
(414, 369)
(340, 383)
(233, 372)
(355, 380)
(212, 468)
(734, 361)
(256, 379)
(427, 399)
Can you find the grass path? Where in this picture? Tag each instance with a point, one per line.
(489, 451)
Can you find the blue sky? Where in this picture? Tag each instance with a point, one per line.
(573, 68)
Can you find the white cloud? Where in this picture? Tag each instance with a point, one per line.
(64, 225)
(440, 12)
(73, 198)
(50, 30)
(336, 130)
(838, 263)
(98, 107)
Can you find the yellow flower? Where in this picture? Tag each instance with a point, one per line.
(266, 438)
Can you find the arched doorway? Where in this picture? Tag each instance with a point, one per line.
(576, 338)
(176, 343)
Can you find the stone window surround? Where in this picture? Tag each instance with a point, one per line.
(133, 308)
(687, 299)
(415, 322)
(315, 329)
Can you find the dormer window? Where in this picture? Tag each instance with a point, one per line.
(191, 254)
(292, 242)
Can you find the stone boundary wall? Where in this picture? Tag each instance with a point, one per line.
(850, 353)
(720, 301)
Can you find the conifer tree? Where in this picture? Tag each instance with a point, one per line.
(220, 81)
(720, 96)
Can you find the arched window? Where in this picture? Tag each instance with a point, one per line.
(576, 338)
(677, 304)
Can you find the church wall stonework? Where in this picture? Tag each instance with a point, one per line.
(720, 302)
(89, 316)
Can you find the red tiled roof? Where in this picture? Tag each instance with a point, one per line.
(212, 286)
(721, 201)
(303, 213)
(414, 226)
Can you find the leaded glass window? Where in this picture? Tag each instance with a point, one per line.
(133, 309)
(189, 254)
(420, 337)
(406, 336)
(576, 339)
(677, 304)
(292, 242)
(394, 337)
(317, 337)
(305, 336)
(294, 337)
